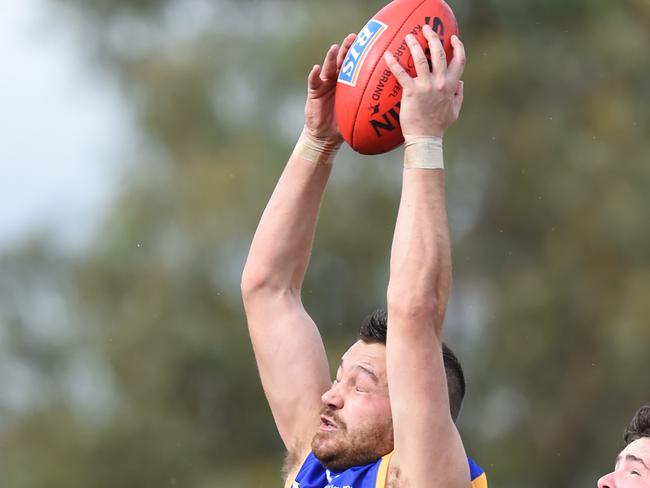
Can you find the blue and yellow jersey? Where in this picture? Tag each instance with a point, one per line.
(311, 474)
(477, 475)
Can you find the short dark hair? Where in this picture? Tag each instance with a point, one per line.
(373, 330)
(639, 426)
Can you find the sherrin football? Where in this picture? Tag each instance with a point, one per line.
(368, 96)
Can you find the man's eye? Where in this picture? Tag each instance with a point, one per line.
(635, 473)
(362, 387)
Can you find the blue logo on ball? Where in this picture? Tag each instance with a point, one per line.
(359, 51)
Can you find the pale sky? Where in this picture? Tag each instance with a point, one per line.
(64, 130)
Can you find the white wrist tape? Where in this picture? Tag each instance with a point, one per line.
(423, 152)
(317, 152)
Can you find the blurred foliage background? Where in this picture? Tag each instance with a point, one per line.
(136, 351)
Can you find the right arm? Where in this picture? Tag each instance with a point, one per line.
(428, 448)
(288, 348)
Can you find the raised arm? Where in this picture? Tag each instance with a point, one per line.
(287, 345)
(428, 449)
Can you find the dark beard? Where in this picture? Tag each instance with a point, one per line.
(339, 450)
(343, 457)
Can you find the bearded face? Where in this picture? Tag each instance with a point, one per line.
(356, 426)
(339, 447)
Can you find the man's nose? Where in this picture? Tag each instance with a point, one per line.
(607, 481)
(332, 397)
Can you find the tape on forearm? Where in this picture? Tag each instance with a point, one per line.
(318, 152)
(423, 153)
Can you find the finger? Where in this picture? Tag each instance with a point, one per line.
(460, 88)
(457, 64)
(329, 65)
(345, 47)
(313, 80)
(438, 57)
(398, 72)
(419, 58)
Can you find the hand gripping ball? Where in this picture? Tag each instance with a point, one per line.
(368, 96)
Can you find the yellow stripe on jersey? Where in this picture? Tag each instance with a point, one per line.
(382, 475)
(480, 482)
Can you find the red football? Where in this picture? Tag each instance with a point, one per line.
(367, 94)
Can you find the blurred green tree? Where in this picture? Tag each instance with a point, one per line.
(146, 377)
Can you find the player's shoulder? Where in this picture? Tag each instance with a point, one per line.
(395, 477)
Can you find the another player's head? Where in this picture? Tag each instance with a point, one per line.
(632, 469)
(356, 423)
